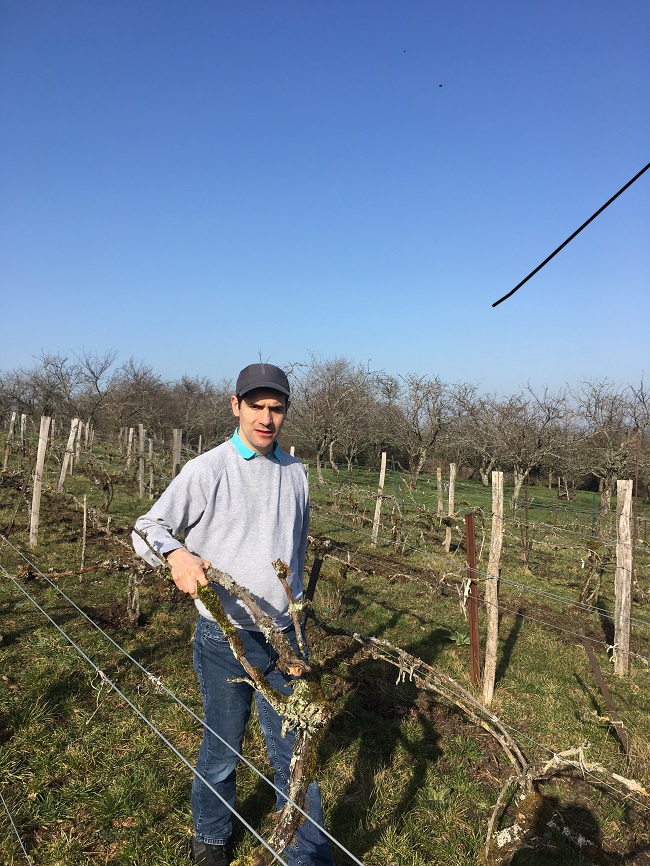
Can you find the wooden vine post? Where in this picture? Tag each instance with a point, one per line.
(141, 460)
(69, 453)
(623, 580)
(177, 439)
(492, 589)
(452, 488)
(439, 487)
(380, 496)
(151, 476)
(129, 447)
(474, 649)
(38, 481)
(10, 436)
(84, 533)
(77, 447)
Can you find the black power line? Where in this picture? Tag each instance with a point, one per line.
(569, 239)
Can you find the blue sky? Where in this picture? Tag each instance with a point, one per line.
(194, 184)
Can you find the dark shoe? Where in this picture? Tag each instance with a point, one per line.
(209, 855)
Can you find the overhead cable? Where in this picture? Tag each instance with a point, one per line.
(571, 237)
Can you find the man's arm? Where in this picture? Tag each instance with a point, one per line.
(180, 506)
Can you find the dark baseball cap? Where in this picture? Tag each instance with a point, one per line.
(262, 376)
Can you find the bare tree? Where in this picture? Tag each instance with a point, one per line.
(333, 401)
(607, 429)
(420, 408)
(518, 433)
(197, 405)
(58, 385)
(359, 416)
(95, 380)
(474, 431)
(138, 396)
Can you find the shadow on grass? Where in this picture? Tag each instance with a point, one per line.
(509, 645)
(590, 694)
(565, 834)
(427, 649)
(369, 725)
(606, 620)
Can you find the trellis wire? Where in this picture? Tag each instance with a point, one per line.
(518, 520)
(483, 575)
(180, 703)
(15, 829)
(142, 716)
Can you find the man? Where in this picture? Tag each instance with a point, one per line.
(241, 506)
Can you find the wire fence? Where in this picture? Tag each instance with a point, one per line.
(523, 736)
(162, 687)
(459, 569)
(330, 516)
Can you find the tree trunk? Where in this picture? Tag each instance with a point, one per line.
(319, 466)
(520, 477)
(335, 468)
(416, 462)
(606, 495)
(485, 469)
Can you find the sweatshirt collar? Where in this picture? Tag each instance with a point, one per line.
(248, 453)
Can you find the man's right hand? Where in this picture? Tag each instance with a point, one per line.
(187, 570)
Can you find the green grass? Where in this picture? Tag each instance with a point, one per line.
(405, 778)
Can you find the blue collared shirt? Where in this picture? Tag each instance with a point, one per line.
(248, 453)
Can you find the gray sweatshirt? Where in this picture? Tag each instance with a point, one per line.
(240, 514)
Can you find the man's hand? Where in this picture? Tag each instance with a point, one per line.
(187, 570)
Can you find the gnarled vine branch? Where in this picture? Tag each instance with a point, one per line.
(305, 711)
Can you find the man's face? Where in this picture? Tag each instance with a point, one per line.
(261, 415)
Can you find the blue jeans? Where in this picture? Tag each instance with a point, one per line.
(226, 708)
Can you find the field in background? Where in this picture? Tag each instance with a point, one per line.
(406, 779)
